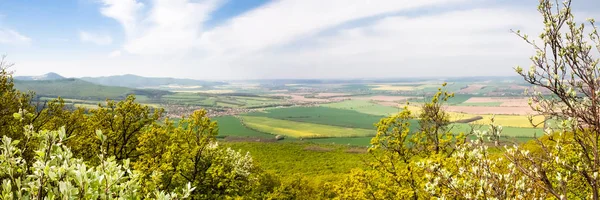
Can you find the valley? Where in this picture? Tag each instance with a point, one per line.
(320, 111)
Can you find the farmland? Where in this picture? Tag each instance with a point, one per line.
(319, 112)
(231, 126)
(364, 106)
(322, 115)
(301, 129)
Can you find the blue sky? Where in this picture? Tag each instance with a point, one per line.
(249, 39)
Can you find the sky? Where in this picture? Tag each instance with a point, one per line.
(271, 39)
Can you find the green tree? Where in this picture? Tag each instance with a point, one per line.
(13, 101)
(174, 155)
(397, 152)
(567, 160)
(122, 122)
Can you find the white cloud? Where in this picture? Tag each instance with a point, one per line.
(114, 54)
(12, 37)
(169, 27)
(281, 22)
(97, 39)
(475, 41)
(125, 12)
(176, 26)
(285, 38)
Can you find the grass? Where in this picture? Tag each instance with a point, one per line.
(364, 106)
(323, 115)
(301, 129)
(232, 126)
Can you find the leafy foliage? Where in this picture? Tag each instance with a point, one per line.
(55, 174)
(122, 122)
(172, 156)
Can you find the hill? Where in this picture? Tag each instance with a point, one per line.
(45, 77)
(73, 88)
(134, 81)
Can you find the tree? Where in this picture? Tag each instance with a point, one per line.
(397, 150)
(122, 122)
(567, 162)
(174, 155)
(13, 101)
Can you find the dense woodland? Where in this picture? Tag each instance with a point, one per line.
(127, 150)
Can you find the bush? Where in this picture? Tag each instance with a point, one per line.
(56, 174)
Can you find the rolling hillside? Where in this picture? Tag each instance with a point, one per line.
(134, 81)
(45, 77)
(73, 88)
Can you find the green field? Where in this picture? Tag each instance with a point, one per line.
(364, 106)
(323, 115)
(301, 129)
(232, 126)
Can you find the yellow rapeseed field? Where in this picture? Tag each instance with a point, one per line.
(520, 121)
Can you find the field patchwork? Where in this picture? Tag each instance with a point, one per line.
(393, 87)
(323, 115)
(365, 106)
(301, 129)
(232, 126)
(520, 121)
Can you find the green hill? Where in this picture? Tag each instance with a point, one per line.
(73, 88)
(45, 77)
(134, 81)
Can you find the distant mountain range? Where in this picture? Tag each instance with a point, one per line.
(127, 80)
(134, 81)
(113, 87)
(45, 77)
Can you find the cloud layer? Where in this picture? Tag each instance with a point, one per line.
(323, 39)
(306, 39)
